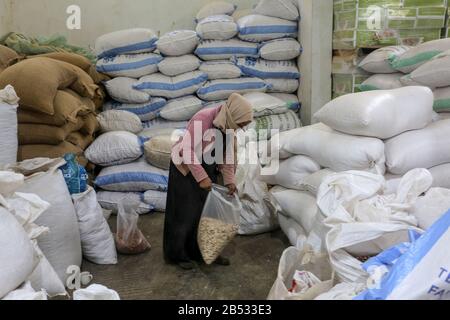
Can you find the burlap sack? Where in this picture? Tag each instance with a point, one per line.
(37, 81)
(91, 125)
(32, 151)
(68, 106)
(80, 140)
(45, 134)
(8, 57)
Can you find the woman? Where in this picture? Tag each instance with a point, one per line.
(190, 181)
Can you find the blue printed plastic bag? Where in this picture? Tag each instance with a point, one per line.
(75, 175)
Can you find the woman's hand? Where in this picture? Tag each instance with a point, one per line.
(206, 184)
(231, 189)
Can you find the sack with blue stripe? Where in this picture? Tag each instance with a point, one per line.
(128, 41)
(137, 176)
(223, 89)
(145, 111)
(266, 69)
(129, 65)
(160, 85)
(419, 270)
(226, 49)
(258, 28)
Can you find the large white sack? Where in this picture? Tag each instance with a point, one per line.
(97, 241)
(434, 73)
(312, 182)
(8, 124)
(163, 128)
(26, 293)
(382, 82)
(282, 85)
(219, 27)
(441, 176)
(110, 200)
(335, 150)
(265, 105)
(156, 199)
(292, 172)
(342, 291)
(226, 49)
(114, 148)
(417, 56)
(174, 66)
(431, 207)
(298, 205)
(379, 61)
(292, 100)
(441, 100)
(263, 128)
(178, 43)
(121, 89)
(216, 8)
(17, 256)
(220, 69)
(283, 9)
(223, 89)
(171, 87)
(293, 260)
(119, 120)
(259, 28)
(266, 69)
(293, 230)
(137, 176)
(62, 245)
(132, 66)
(145, 111)
(429, 147)
(136, 40)
(181, 109)
(280, 49)
(158, 151)
(381, 114)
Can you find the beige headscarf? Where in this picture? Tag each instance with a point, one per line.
(237, 110)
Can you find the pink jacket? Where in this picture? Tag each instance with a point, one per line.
(206, 118)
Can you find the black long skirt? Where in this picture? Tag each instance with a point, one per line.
(185, 202)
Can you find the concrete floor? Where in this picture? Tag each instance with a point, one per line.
(254, 266)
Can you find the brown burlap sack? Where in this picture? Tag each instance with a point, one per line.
(37, 81)
(32, 151)
(80, 140)
(68, 106)
(8, 57)
(45, 134)
(91, 125)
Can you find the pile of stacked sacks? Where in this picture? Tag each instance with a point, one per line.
(56, 113)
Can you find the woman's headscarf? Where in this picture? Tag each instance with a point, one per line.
(236, 111)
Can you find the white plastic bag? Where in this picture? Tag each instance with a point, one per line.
(8, 126)
(382, 82)
(26, 292)
(178, 43)
(121, 89)
(221, 27)
(431, 207)
(379, 60)
(219, 223)
(132, 66)
(174, 66)
(95, 292)
(280, 49)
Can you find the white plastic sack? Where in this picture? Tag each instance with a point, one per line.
(265, 105)
(174, 66)
(137, 176)
(216, 8)
(121, 89)
(114, 148)
(282, 85)
(431, 207)
(441, 176)
(136, 40)
(132, 66)
(220, 69)
(334, 150)
(294, 260)
(119, 120)
(223, 89)
(280, 49)
(429, 147)
(312, 182)
(97, 241)
(109, 201)
(342, 291)
(441, 100)
(181, 109)
(377, 113)
(226, 49)
(382, 82)
(379, 61)
(259, 28)
(283, 9)
(156, 199)
(178, 43)
(159, 127)
(25, 293)
(292, 100)
(266, 69)
(293, 230)
(221, 27)
(171, 87)
(214, 104)
(145, 111)
(263, 126)
(8, 124)
(95, 292)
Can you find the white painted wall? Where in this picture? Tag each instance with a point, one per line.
(47, 17)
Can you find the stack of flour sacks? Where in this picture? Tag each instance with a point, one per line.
(255, 53)
(384, 131)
